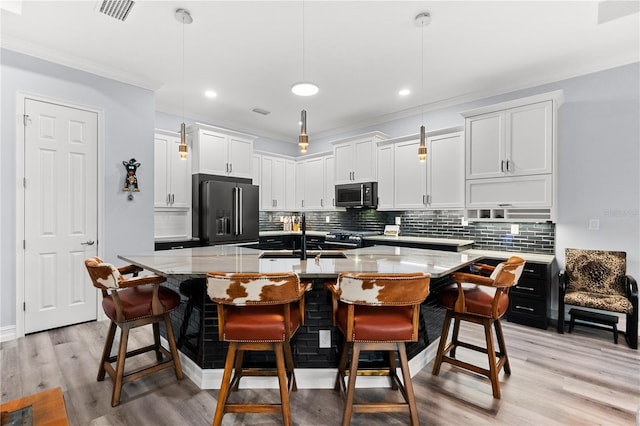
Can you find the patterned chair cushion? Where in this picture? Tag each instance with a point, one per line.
(596, 279)
(596, 271)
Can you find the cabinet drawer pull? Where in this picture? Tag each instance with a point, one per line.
(526, 308)
(502, 166)
(528, 270)
(525, 288)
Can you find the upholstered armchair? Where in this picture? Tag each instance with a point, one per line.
(598, 279)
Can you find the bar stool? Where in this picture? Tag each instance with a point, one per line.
(194, 290)
(257, 312)
(377, 312)
(130, 303)
(480, 300)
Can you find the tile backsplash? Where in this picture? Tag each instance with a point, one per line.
(533, 237)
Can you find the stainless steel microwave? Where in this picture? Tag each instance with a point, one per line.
(357, 195)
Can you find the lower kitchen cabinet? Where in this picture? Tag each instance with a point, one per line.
(530, 299)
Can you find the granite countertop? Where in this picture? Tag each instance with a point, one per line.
(529, 257)
(420, 240)
(278, 233)
(226, 258)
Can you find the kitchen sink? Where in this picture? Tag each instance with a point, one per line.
(295, 254)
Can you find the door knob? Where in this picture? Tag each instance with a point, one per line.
(88, 243)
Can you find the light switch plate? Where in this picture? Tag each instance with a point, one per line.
(324, 339)
(398, 220)
(594, 224)
(515, 229)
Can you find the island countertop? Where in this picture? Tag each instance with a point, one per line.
(228, 258)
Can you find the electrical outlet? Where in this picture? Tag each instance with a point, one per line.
(464, 222)
(324, 340)
(515, 229)
(327, 219)
(594, 224)
(398, 220)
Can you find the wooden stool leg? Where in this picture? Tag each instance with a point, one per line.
(342, 365)
(237, 371)
(443, 342)
(502, 346)
(408, 386)
(106, 352)
(353, 373)
(177, 365)
(454, 338)
(615, 334)
(291, 375)
(393, 369)
(156, 340)
(224, 386)
(491, 354)
(122, 356)
(282, 381)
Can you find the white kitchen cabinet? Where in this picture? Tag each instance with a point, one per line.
(356, 158)
(221, 152)
(410, 183)
(172, 188)
(386, 170)
(277, 183)
(172, 175)
(313, 184)
(329, 200)
(510, 151)
(445, 171)
(516, 141)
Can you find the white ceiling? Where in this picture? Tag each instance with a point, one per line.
(360, 53)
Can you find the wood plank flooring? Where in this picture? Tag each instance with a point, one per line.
(581, 378)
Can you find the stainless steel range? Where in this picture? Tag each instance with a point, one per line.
(346, 239)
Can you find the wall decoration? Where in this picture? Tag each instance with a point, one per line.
(131, 180)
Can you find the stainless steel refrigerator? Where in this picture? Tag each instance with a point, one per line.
(228, 212)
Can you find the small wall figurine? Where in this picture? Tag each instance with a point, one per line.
(131, 180)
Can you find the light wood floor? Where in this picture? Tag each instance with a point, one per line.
(572, 379)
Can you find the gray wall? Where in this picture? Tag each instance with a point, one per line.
(128, 114)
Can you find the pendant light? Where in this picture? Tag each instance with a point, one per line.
(304, 88)
(183, 15)
(303, 139)
(423, 19)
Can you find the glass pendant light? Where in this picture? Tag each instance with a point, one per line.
(303, 139)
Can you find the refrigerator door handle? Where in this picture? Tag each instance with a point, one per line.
(240, 212)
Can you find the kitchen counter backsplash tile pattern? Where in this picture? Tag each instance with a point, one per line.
(532, 238)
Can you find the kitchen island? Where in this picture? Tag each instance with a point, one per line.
(315, 365)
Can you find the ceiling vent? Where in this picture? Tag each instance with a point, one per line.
(118, 9)
(261, 111)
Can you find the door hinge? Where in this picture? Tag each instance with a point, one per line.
(25, 119)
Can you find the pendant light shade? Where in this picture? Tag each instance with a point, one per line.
(183, 15)
(303, 87)
(303, 139)
(422, 149)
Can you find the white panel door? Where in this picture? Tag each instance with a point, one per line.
(410, 184)
(212, 153)
(60, 215)
(240, 157)
(364, 161)
(529, 139)
(485, 145)
(343, 155)
(179, 176)
(445, 171)
(313, 183)
(329, 201)
(161, 171)
(385, 177)
(290, 184)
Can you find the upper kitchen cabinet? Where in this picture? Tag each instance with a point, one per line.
(277, 183)
(445, 171)
(172, 189)
(405, 183)
(316, 189)
(356, 158)
(172, 175)
(510, 159)
(221, 152)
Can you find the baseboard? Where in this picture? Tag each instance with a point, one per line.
(7, 333)
(306, 378)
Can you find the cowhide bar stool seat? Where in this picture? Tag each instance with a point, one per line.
(256, 312)
(377, 312)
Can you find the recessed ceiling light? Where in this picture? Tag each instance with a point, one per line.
(304, 88)
(404, 92)
(210, 94)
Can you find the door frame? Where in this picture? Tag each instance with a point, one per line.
(20, 196)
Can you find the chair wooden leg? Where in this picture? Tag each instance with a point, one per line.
(351, 387)
(342, 366)
(491, 354)
(156, 340)
(282, 381)
(393, 369)
(408, 386)
(503, 347)
(454, 337)
(291, 375)
(122, 356)
(106, 352)
(237, 371)
(443, 342)
(224, 386)
(177, 365)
